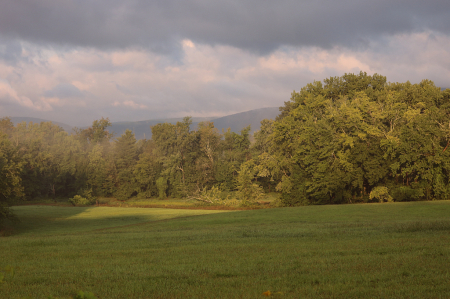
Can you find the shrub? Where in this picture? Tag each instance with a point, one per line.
(85, 198)
(79, 200)
(381, 194)
(248, 190)
(406, 193)
(215, 196)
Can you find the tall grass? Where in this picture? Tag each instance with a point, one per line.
(351, 251)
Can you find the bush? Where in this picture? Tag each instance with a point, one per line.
(215, 196)
(406, 193)
(85, 198)
(381, 194)
(248, 190)
(79, 200)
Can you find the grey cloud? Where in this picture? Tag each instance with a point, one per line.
(256, 25)
(233, 89)
(123, 89)
(11, 52)
(64, 91)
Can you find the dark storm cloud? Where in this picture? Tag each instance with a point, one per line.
(256, 25)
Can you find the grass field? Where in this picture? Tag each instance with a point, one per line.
(399, 250)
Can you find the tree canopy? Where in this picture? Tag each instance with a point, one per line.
(341, 139)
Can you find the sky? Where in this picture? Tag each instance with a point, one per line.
(75, 61)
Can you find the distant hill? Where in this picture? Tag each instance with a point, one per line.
(18, 120)
(141, 129)
(236, 122)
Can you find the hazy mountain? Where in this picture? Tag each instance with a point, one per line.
(236, 122)
(18, 120)
(141, 129)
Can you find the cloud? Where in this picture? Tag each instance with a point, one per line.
(129, 103)
(123, 89)
(78, 85)
(10, 51)
(64, 91)
(254, 25)
(9, 96)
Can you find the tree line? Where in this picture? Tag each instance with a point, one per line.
(354, 138)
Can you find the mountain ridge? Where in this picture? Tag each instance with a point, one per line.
(142, 129)
(236, 122)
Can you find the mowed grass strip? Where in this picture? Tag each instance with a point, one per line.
(396, 250)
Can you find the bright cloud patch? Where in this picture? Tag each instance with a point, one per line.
(9, 97)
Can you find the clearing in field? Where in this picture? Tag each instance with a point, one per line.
(397, 250)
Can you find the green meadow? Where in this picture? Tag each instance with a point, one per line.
(397, 250)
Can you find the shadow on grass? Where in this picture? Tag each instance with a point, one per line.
(39, 220)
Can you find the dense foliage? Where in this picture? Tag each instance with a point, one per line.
(341, 139)
(354, 138)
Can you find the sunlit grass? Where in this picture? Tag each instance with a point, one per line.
(398, 250)
(143, 202)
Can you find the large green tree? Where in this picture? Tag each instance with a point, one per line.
(97, 133)
(339, 140)
(233, 151)
(173, 145)
(206, 155)
(148, 170)
(125, 158)
(50, 159)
